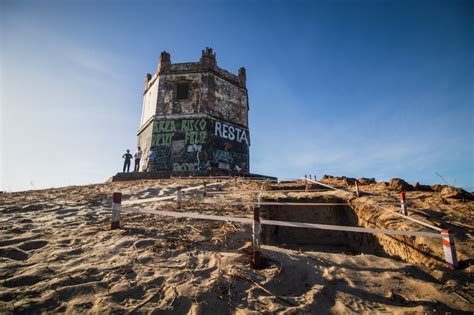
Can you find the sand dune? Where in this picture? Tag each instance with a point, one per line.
(58, 254)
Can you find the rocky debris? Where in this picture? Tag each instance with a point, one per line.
(341, 180)
(381, 185)
(348, 181)
(366, 181)
(455, 193)
(437, 188)
(419, 187)
(399, 184)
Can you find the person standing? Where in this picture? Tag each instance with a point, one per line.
(126, 164)
(138, 157)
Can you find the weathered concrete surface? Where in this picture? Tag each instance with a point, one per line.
(119, 177)
(208, 128)
(182, 143)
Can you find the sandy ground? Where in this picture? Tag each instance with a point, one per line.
(58, 254)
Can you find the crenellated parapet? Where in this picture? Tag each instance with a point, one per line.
(242, 77)
(207, 63)
(147, 81)
(208, 57)
(164, 62)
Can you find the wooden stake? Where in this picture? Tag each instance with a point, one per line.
(449, 249)
(403, 203)
(116, 205)
(179, 197)
(257, 229)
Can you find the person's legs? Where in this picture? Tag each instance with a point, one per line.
(128, 166)
(138, 165)
(124, 166)
(135, 167)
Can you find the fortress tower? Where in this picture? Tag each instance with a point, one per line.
(194, 116)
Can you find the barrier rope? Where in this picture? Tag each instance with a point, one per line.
(164, 198)
(446, 236)
(193, 215)
(383, 208)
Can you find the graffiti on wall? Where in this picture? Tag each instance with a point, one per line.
(230, 132)
(223, 158)
(198, 144)
(158, 158)
(180, 167)
(194, 130)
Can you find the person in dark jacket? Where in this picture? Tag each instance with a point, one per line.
(126, 164)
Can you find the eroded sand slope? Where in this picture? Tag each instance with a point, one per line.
(58, 254)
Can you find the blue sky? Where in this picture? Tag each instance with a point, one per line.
(357, 88)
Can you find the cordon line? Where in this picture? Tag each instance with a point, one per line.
(325, 185)
(260, 180)
(263, 191)
(138, 201)
(200, 216)
(407, 217)
(271, 203)
(383, 208)
(171, 197)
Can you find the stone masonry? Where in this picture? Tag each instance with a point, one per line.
(194, 117)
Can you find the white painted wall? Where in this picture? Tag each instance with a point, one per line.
(150, 99)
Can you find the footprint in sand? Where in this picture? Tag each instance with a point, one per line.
(30, 245)
(25, 221)
(21, 229)
(69, 242)
(23, 280)
(13, 241)
(32, 207)
(13, 253)
(144, 243)
(64, 213)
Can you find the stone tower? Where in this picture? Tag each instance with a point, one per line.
(194, 117)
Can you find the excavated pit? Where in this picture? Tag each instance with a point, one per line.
(317, 239)
(408, 249)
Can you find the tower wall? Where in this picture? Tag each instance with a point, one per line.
(150, 100)
(208, 128)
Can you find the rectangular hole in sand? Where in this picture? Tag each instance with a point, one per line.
(317, 239)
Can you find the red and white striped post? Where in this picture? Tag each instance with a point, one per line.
(179, 197)
(357, 188)
(357, 191)
(256, 229)
(449, 249)
(116, 205)
(403, 203)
